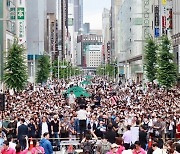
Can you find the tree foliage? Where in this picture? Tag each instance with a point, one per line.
(43, 69)
(64, 72)
(151, 59)
(167, 73)
(15, 76)
(108, 69)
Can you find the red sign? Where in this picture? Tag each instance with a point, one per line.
(164, 21)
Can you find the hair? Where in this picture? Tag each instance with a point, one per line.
(119, 141)
(128, 127)
(137, 143)
(18, 148)
(178, 148)
(9, 138)
(23, 120)
(88, 136)
(34, 143)
(6, 143)
(110, 126)
(155, 144)
(45, 134)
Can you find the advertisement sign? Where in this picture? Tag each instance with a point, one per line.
(70, 21)
(146, 19)
(164, 2)
(13, 13)
(20, 13)
(163, 24)
(156, 32)
(156, 15)
(21, 29)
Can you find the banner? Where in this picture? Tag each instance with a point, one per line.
(21, 29)
(156, 15)
(164, 2)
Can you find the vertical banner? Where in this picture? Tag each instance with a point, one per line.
(21, 29)
(156, 15)
(163, 24)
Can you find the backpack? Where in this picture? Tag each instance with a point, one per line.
(88, 148)
(105, 147)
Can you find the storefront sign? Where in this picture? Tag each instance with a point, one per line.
(21, 29)
(146, 18)
(20, 13)
(13, 13)
(156, 15)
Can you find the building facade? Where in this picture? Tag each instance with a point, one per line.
(83, 43)
(94, 56)
(12, 25)
(78, 14)
(176, 32)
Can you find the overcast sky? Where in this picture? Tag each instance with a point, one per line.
(93, 12)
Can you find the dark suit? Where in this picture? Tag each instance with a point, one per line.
(22, 132)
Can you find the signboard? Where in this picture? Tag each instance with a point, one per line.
(156, 15)
(156, 30)
(13, 13)
(20, 13)
(163, 24)
(146, 18)
(70, 21)
(164, 2)
(21, 29)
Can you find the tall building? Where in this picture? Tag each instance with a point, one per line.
(176, 32)
(115, 4)
(36, 33)
(83, 43)
(86, 28)
(78, 14)
(93, 56)
(106, 35)
(12, 25)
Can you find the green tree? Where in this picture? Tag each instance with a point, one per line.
(151, 59)
(43, 69)
(15, 76)
(167, 73)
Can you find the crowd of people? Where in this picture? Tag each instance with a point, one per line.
(124, 117)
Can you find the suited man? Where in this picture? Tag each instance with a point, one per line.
(22, 132)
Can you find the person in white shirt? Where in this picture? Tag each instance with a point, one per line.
(11, 143)
(82, 116)
(127, 137)
(157, 150)
(72, 99)
(44, 126)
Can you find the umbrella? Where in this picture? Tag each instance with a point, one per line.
(78, 91)
(86, 82)
(88, 77)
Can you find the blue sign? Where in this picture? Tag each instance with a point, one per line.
(156, 31)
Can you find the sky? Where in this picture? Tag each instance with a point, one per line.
(93, 12)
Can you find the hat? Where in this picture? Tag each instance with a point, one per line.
(114, 145)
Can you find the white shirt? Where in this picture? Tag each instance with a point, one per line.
(82, 114)
(44, 127)
(72, 98)
(127, 152)
(127, 137)
(12, 145)
(158, 151)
